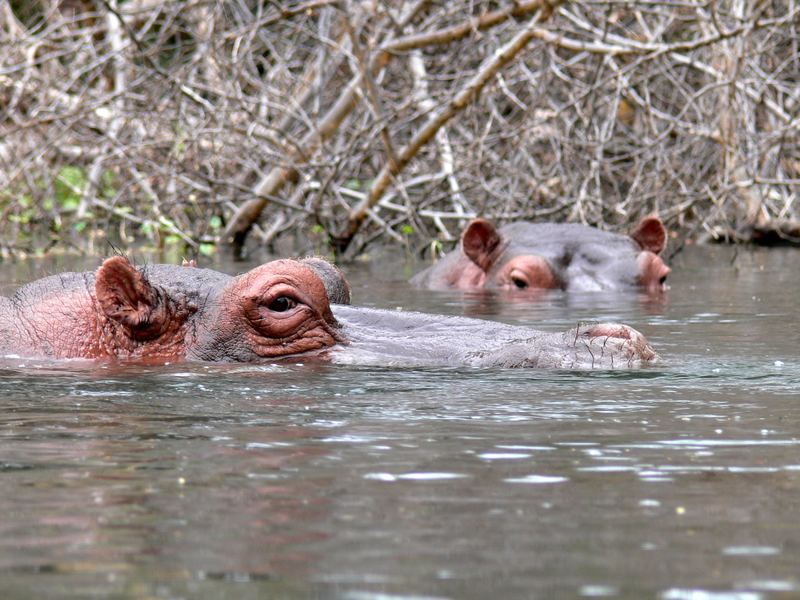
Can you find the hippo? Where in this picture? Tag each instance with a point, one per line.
(289, 308)
(539, 256)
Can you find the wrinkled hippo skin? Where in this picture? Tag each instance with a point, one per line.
(537, 256)
(169, 312)
(285, 308)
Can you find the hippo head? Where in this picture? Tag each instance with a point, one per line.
(527, 256)
(493, 266)
(277, 309)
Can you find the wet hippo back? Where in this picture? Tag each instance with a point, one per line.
(406, 338)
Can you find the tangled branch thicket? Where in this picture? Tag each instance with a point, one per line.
(336, 124)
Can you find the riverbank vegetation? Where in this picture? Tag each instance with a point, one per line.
(332, 125)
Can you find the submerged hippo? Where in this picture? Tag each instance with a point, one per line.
(531, 256)
(279, 309)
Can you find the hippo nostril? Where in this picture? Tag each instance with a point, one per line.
(281, 304)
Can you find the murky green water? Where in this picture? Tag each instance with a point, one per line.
(240, 481)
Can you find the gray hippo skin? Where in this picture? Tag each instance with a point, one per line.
(535, 256)
(285, 308)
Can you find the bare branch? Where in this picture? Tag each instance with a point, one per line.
(501, 57)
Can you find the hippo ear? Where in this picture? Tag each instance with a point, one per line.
(125, 296)
(650, 234)
(479, 242)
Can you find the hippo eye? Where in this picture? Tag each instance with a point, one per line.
(519, 283)
(281, 304)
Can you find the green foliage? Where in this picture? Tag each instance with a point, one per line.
(215, 223)
(166, 224)
(163, 230)
(41, 211)
(25, 213)
(68, 187)
(107, 186)
(319, 235)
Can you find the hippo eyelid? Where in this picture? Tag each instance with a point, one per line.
(271, 293)
(278, 300)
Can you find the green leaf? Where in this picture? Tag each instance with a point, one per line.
(69, 185)
(166, 223)
(107, 187)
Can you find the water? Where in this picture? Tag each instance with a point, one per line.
(679, 481)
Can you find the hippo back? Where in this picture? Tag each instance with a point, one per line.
(193, 283)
